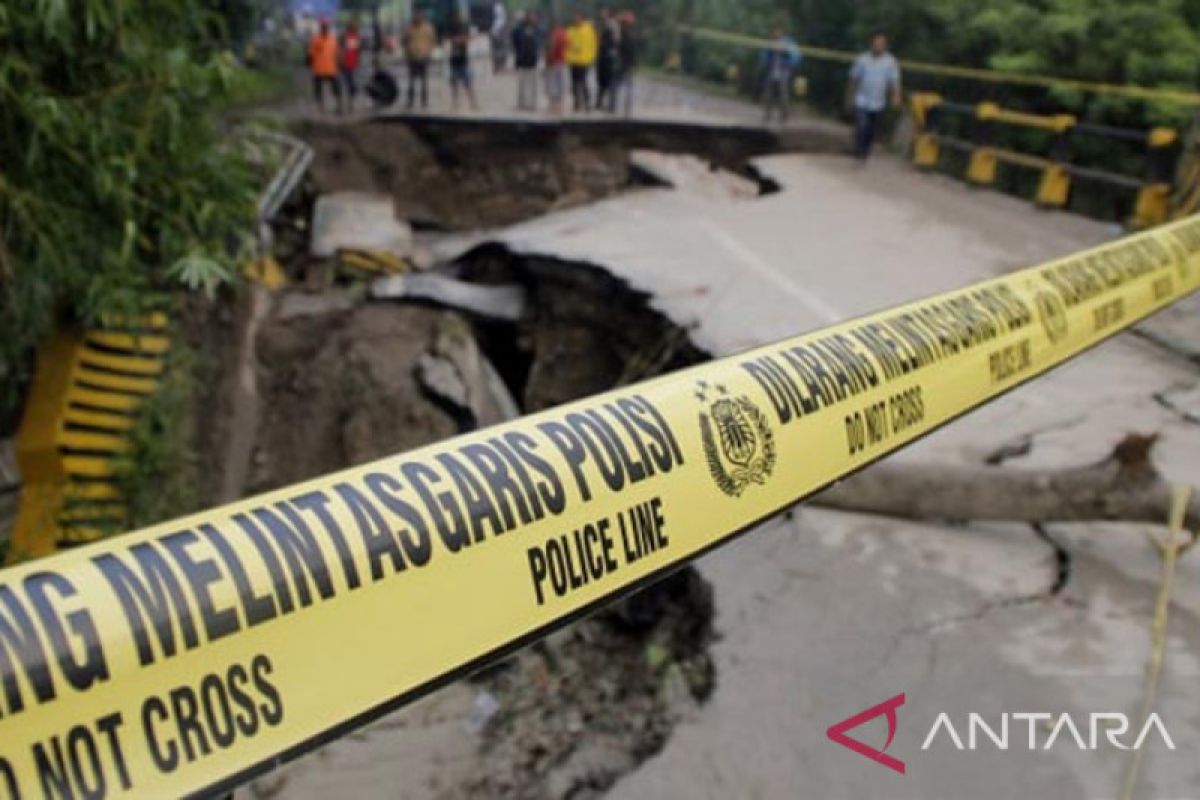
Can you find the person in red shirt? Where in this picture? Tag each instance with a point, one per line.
(556, 67)
(351, 57)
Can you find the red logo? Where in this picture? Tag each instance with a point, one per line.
(837, 733)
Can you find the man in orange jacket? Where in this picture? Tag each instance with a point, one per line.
(323, 61)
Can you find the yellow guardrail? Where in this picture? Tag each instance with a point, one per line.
(86, 390)
(1154, 193)
(190, 656)
(1173, 96)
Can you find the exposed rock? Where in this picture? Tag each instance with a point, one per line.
(458, 373)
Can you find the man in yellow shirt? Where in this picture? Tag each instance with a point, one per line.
(323, 62)
(582, 48)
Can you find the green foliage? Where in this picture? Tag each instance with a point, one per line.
(1152, 43)
(201, 274)
(270, 81)
(112, 161)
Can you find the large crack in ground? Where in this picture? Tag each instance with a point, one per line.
(447, 174)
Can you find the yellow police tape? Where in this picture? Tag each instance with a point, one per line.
(1174, 96)
(187, 657)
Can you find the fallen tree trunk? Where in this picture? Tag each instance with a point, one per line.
(1123, 487)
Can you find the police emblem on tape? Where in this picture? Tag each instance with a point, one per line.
(1052, 315)
(738, 442)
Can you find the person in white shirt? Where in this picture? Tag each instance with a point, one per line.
(499, 37)
(874, 81)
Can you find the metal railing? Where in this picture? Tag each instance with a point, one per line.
(1154, 187)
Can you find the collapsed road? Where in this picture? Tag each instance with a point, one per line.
(652, 266)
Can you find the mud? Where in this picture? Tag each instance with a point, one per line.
(593, 702)
(339, 389)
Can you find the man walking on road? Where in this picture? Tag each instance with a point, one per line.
(779, 67)
(323, 63)
(526, 55)
(582, 46)
(420, 40)
(874, 80)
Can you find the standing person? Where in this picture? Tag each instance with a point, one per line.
(420, 40)
(527, 48)
(582, 46)
(499, 37)
(607, 61)
(459, 36)
(779, 66)
(629, 51)
(323, 63)
(874, 80)
(556, 67)
(351, 56)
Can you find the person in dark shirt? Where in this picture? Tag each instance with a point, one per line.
(628, 50)
(527, 48)
(459, 37)
(607, 61)
(779, 64)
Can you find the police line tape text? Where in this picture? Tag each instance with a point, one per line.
(874, 425)
(572, 561)
(183, 725)
(203, 583)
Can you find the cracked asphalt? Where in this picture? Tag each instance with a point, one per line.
(822, 614)
(826, 614)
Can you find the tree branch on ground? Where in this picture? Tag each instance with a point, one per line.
(1124, 487)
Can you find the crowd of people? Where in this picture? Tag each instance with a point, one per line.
(550, 57)
(594, 59)
(334, 64)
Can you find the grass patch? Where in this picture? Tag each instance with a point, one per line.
(262, 86)
(157, 476)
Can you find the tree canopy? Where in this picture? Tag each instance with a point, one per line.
(1151, 43)
(114, 177)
